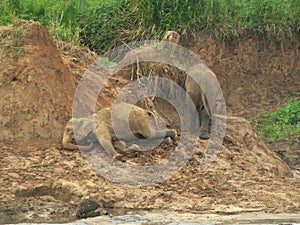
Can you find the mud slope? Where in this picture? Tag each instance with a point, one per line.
(36, 88)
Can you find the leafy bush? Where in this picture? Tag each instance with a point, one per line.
(290, 114)
(281, 124)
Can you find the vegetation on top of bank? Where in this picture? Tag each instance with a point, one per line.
(104, 24)
(283, 124)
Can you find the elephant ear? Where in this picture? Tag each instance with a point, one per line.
(86, 126)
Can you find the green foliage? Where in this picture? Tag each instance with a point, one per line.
(107, 63)
(290, 114)
(92, 214)
(281, 124)
(274, 19)
(61, 17)
(222, 18)
(104, 24)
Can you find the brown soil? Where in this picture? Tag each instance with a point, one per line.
(40, 181)
(36, 88)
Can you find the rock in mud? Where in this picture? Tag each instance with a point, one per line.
(89, 208)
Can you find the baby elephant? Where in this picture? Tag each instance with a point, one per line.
(83, 133)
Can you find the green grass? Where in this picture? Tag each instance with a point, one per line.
(282, 124)
(58, 16)
(104, 24)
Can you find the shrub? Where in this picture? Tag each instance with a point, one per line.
(281, 124)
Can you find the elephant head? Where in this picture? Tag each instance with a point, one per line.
(78, 139)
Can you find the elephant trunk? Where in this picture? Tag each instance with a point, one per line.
(67, 144)
(86, 148)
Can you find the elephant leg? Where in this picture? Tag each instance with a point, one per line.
(121, 145)
(107, 145)
(204, 119)
(167, 141)
(172, 134)
(118, 144)
(105, 139)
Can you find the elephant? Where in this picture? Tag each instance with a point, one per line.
(208, 92)
(99, 130)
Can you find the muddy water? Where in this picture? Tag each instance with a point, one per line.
(189, 219)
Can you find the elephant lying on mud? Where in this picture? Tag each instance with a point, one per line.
(208, 92)
(89, 132)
